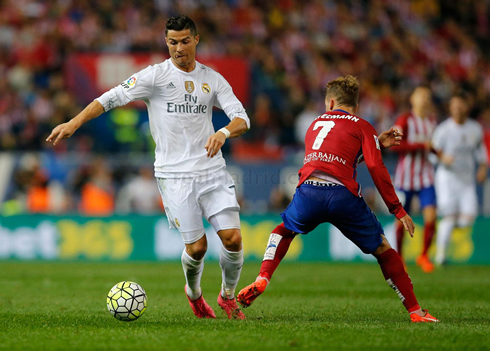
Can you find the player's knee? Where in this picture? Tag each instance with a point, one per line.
(429, 214)
(465, 221)
(384, 246)
(198, 249)
(232, 239)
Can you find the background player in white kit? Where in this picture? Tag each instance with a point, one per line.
(180, 94)
(459, 145)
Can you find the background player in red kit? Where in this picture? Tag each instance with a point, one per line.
(414, 174)
(328, 192)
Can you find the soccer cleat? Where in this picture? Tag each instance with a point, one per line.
(230, 307)
(200, 307)
(424, 263)
(249, 293)
(425, 319)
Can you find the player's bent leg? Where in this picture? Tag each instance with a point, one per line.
(397, 278)
(400, 233)
(430, 216)
(227, 225)
(446, 227)
(277, 247)
(231, 262)
(193, 265)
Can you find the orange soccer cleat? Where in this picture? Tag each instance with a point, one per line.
(249, 293)
(230, 307)
(424, 263)
(200, 307)
(425, 319)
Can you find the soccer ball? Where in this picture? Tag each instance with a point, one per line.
(127, 301)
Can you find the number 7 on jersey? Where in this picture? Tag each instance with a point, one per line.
(326, 128)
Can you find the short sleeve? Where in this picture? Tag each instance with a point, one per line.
(137, 87)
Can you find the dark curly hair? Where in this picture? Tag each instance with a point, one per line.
(179, 23)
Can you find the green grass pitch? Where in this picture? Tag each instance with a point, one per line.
(308, 306)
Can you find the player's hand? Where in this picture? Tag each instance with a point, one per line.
(408, 224)
(62, 131)
(428, 145)
(214, 144)
(447, 160)
(481, 175)
(390, 137)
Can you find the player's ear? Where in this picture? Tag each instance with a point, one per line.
(356, 108)
(196, 38)
(331, 104)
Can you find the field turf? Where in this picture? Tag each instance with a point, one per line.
(54, 306)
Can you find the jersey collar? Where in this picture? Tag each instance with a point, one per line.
(339, 110)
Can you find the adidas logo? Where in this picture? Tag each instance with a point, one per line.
(171, 86)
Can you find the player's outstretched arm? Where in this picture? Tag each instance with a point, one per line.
(66, 130)
(408, 224)
(236, 127)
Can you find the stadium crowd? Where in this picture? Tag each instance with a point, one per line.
(292, 47)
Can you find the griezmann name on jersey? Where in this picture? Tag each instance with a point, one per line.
(336, 142)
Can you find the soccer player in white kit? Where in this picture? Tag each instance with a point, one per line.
(180, 94)
(459, 144)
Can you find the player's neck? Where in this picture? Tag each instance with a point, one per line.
(342, 108)
(187, 68)
(422, 113)
(459, 120)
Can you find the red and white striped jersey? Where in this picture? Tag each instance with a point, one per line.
(414, 171)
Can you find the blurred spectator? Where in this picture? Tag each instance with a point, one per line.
(278, 200)
(304, 120)
(35, 192)
(97, 194)
(292, 49)
(140, 195)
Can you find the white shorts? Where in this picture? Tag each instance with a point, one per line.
(187, 200)
(455, 197)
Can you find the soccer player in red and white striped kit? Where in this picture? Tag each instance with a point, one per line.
(328, 191)
(414, 174)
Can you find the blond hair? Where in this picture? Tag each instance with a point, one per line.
(345, 90)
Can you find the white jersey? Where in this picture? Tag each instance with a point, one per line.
(465, 143)
(180, 106)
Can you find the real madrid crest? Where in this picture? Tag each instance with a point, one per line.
(189, 86)
(206, 89)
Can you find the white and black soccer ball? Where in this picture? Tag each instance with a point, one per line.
(127, 301)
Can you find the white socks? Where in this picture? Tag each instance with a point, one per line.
(231, 265)
(193, 272)
(444, 230)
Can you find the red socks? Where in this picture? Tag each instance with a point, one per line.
(277, 247)
(392, 267)
(429, 230)
(400, 231)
